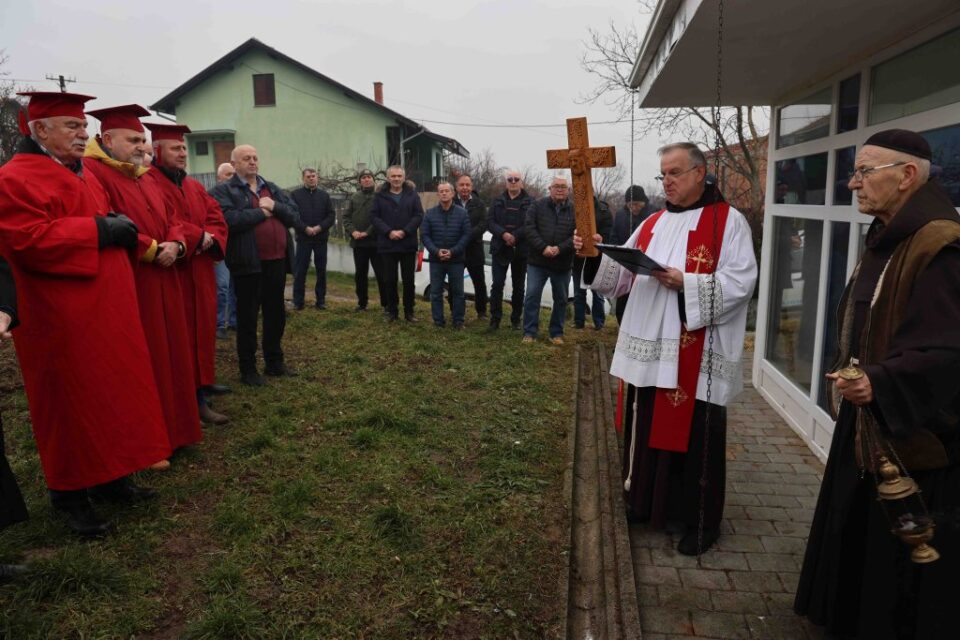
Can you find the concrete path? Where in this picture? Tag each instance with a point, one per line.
(746, 585)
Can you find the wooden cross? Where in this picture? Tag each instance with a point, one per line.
(580, 158)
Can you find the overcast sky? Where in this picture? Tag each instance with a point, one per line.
(466, 61)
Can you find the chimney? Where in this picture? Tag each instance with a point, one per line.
(378, 92)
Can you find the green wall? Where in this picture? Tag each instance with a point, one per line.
(312, 123)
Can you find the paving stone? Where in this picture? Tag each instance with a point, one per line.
(740, 543)
(642, 537)
(780, 604)
(753, 527)
(776, 628)
(808, 502)
(670, 558)
(757, 581)
(704, 579)
(801, 515)
(789, 580)
(736, 602)
(714, 624)
(726, 560)
(779, 544)
(657, 575)
(648, 596)
(641, 556)
(743, 499)
(734, 512)
(662, 620)
(684, 598)
(773, 561)
(795, 490)
(795, 529)
(775, 514)
(785, 458)
(787, 502)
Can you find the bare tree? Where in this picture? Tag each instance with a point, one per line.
(740, 130)
(9, 108)
(483, 169)
(607, 183)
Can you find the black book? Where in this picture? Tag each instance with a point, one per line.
(633, 260)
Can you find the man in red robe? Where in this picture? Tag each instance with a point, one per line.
(204, 227)
(116, 159)
(86, 369)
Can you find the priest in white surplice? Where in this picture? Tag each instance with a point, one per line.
(662, 354)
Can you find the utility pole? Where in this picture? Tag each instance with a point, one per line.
(62, 81)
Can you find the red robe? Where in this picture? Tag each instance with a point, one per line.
(198, 213)
(158, 292)
(86, 368)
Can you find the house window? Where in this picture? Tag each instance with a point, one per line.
(802, 180)
(845, 159)
(264, 93)
(945, 144)
(848, 111)
(807, 119)
(836, 283)
(202, 148)
(920, 79)
(794, 288)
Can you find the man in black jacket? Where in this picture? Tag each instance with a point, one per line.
(259, 255)
(549, 229)
(508, 248)
(470, 200)
(318, 217)
(363, 240)
(396, 214)
(636, 209)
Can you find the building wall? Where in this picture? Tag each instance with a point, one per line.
(312, 123)
(813, 233)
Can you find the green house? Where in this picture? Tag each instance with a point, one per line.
(297, 117)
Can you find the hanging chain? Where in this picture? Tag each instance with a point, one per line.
(633, 137)
(713, 286)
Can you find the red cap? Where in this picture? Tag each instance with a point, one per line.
(49, 104)
(123, 117)
(159, 131)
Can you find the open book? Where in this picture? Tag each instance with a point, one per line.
(632, 259)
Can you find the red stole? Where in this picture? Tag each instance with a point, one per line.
(673, 408)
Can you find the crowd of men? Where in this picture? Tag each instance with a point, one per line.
(116, 259)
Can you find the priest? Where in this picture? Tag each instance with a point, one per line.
(206, 231)
(116, 158)
(899, 322)
(677, 392)
(86, 369)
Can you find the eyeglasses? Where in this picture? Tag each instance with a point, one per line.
(859, 174)
(673, 175)
(559, 187)
(513, 179)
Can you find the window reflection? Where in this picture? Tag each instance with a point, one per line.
(807, 119)
(945, 144)
(802, 180)
(848, 105)
(793, 298)
(836, 282)
(844, 167)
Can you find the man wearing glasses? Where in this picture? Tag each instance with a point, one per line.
(549, 230)
(895, 381)
(663, 355)
(508, 247)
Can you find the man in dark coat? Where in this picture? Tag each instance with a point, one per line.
(598, 311)
(318, 217)
(259, 255)
(12, 508)
(636, 209)
(470, 200)
(900, 328)
(396, 214)
(446, 232)
(508, 248)
(363, 240)
(549, 229)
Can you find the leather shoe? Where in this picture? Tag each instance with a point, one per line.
(515, 325)
(410, 318)
(122, 490)
(216, 389)
(252, 379)
(83, 520)
(280, 371)
(209, 416)
(222, 334)
(688, 543)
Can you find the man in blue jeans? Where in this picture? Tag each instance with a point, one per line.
(226, 294)
(598, 309)
(445, 233)
(549, 230)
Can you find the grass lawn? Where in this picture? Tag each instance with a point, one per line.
(408, 484)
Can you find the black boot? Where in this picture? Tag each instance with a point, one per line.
(688, 543)
(122, 490)
(81, 518)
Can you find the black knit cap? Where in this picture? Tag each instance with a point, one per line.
(902, 140)
(636, 194)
